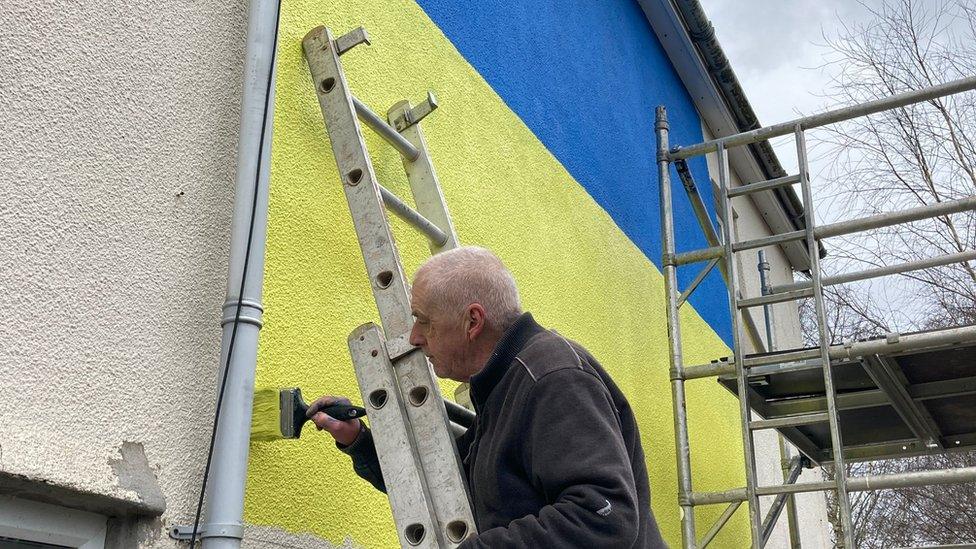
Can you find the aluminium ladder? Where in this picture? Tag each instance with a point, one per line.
(721, 252)
(413, 433)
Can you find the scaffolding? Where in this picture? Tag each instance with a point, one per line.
(803, 391)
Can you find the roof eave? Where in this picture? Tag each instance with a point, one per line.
(723, 107)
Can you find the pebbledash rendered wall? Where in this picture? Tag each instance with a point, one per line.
(117, 167)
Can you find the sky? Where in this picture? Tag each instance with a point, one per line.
(777, 49)
(779, 53)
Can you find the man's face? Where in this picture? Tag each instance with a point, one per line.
(440, 336)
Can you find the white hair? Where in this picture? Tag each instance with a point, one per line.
(457, 278)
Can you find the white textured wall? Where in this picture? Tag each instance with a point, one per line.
(117, 165)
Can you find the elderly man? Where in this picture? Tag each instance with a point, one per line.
(554, 458)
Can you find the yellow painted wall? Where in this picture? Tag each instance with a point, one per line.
(577, 271)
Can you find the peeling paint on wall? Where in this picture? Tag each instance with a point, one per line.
(134, 473)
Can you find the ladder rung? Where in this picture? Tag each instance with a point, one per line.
(386, 131)
(797, 488)
(764, 185)
(712, 252)
(768, 241)
(412, 217)
(459, 414)
(775, 298)
(789, 421)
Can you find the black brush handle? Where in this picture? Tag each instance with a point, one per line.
(344, 412)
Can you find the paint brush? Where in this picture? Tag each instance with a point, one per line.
(281, 414)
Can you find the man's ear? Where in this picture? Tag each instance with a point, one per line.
(474, 320)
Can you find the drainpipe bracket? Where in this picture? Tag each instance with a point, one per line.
(210, 530)
(251, 312)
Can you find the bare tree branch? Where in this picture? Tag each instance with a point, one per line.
(903, 158)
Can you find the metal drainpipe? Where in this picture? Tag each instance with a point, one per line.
(223, 526)
(794, 529)
(763, 268)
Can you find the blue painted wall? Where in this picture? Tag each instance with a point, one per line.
(585, 77)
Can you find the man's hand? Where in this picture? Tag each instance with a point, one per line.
(344, 432)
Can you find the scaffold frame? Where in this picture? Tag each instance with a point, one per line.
(741, 368)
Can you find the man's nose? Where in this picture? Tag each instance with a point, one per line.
(416, 338)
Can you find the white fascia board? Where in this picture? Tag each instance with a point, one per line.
(663, 17)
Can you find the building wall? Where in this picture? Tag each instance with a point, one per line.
(117, 165)
(115, 210)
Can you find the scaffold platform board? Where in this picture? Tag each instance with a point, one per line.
(903, 402)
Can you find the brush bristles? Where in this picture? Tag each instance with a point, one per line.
(292, 412)
(264, 417)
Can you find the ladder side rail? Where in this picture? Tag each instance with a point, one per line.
(840, 472)
(742, 377)
(427, 417)
(678, 401)
(425, 187)
(406, 485)
(428, 196)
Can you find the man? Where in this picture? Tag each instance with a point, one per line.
(554, 458)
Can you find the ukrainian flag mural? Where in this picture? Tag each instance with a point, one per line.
(544, 146)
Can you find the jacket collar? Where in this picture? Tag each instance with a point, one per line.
(511, 343)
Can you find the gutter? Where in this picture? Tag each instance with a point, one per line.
(702, 35)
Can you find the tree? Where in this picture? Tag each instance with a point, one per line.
(908, 157)
(899, 159)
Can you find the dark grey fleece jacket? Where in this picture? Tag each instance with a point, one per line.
(554, 458)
